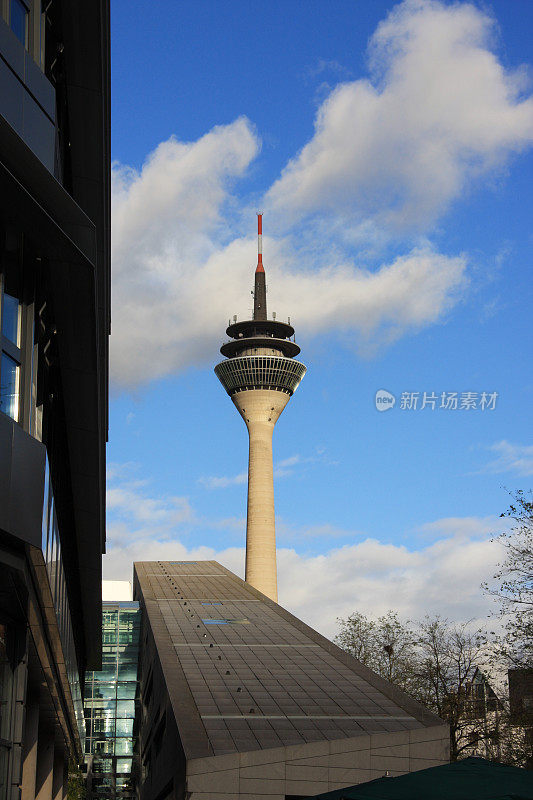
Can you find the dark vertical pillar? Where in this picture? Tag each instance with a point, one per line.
(30, 747)
(59, 788)
(45, 763)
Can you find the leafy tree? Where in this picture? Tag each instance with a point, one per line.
(433, 661)
(448, 657)
(514, 588)
(386, 645)
(76, 785)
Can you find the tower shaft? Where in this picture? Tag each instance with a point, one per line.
(260, 376)
(260, 409)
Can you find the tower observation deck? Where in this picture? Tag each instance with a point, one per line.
(260, 374)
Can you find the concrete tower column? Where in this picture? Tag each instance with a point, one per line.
(260, 409)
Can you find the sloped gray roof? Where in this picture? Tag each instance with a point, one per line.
(258, 677)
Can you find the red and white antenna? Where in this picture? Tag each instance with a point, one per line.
(260, 267)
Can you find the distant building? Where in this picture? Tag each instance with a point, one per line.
(521, 709)
(54, 327)
(521, 696)
(110, 705)
(499, 728)
(481, 716)
(239, 699)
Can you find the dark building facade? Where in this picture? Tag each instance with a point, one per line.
(110, 703)
(54, 327)
(240, 700)
(521, 708)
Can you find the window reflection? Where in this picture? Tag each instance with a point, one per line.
(11, 319)
(19, 21)
(56, 576)
(9, 387)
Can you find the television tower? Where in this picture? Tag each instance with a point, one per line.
(260, 375)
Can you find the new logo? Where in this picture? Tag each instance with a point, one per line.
(384, 400)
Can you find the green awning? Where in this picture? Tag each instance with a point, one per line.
(470, 779)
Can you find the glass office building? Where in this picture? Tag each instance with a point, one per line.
(110, 703)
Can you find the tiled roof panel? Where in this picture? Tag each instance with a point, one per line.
(263, 679)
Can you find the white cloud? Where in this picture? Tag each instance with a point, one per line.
(463, 527)
(396, 150)
(517, 458)
(442, 576)
(175, 289)
(116, 590)
(370, 576)
(172, 278)
(390, 153)
(223, 481)
(373, 577)
(282, 469)
(127, 501)
(132, 510)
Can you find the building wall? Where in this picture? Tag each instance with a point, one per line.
(310, 769)
(162, 760)
(54, 325)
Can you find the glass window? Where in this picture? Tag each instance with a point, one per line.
(127, 672)
(103, 765)
(104, 746)
(49, 543)
(104, 726)
(9, 387)
(98, 782)
(124, 747)
(125, 708)
(103, 690)
(124, 765)
(11, 319)
(124, 727)
(103, 706)
(127, 637)
(46, 510)
(19, 21)
(106, 675)
(126, 691)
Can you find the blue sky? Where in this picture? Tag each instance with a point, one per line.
(389, 148)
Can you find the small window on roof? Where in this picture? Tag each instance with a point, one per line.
(225, 621)
(209, 603)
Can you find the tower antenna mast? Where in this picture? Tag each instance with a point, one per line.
(260, 267)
